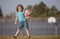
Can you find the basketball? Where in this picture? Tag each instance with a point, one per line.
(27, 13)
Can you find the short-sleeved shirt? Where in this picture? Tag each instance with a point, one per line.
(20, 16)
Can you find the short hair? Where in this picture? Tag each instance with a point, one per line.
(19, 5)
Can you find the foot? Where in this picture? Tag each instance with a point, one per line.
(14, 36)
(29, 36)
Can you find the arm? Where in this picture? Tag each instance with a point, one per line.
(16, 19)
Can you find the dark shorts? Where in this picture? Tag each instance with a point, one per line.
(23, 24)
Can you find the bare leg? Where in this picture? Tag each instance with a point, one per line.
(28, 32)
(17, 32)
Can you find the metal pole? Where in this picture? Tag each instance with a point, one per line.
(1, 28)
(29, 26)
(56, 29)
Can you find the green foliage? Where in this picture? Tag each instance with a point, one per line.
(38, 10)
(1, 14)
(41, 10)
(29, 7)
(58, 14)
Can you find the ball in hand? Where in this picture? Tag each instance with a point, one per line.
(27, 12)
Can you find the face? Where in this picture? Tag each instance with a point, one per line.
(19, 8)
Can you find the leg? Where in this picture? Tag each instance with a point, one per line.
(28, 32)
(17, 32)
(27, 29)
(20, 28)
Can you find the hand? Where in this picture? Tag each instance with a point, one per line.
(15, 22)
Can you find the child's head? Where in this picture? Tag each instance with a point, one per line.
(19, 8)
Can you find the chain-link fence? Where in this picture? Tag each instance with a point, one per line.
(36, 28)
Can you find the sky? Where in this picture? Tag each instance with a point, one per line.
(8, 6)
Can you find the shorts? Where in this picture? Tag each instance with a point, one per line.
(23, 24)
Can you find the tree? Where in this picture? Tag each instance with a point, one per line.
(35, 12)
(39, 10)
(42, 8)
(1, 14)
(58, 14)
(29, 7)
(53, 10)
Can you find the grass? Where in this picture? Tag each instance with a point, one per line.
(32, 37)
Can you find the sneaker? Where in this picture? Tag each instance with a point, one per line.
(14, 36)
(29, 36)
